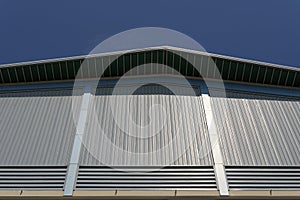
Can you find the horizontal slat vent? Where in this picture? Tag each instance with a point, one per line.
(263, 178)
(90, 178)
(32, 177)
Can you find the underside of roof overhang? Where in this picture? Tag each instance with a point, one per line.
(194, 64)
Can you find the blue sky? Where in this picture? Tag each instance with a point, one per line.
(260, 30)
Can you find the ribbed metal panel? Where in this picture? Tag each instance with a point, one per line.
(263, 178)
(32, 178)
(37, 127)
(184, 119)
(258, 131)
(91, 178)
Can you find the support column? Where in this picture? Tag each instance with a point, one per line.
(73, 165)
(215, 145)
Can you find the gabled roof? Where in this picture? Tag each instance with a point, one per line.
(231, 69)
(258, 132)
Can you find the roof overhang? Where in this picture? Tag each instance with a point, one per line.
(230, 68)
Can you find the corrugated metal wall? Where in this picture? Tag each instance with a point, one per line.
(37, 127)
(185, 127)
(258, 129)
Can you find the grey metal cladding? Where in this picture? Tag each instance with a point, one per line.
(192, 118)
(37, 128)
(257, 130)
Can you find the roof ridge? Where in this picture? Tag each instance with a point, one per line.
(164, 47)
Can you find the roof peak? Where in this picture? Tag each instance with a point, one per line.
(165, 47)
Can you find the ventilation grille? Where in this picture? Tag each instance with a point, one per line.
(257, 178)
(90, 178)
(32, 178)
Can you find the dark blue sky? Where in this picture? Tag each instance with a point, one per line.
(260, 30)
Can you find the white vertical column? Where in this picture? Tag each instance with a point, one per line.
(216, 150)
(73, 165)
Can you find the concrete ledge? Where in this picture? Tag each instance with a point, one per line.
(250, 193)
(286, 193)
(146, 193)
(151, 193)
(94, 193)
(10, 193)
(195, 193)
(32, 193)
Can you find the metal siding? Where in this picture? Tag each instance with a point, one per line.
(258, 129)
(192, 119)
(37, 127)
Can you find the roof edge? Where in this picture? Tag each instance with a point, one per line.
(150, 48)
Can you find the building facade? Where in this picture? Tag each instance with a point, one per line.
(187, 124)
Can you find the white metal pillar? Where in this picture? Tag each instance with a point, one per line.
(215, 145)
(73, 165)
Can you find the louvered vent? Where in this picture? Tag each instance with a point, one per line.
(257, 178)
(32, 178)
(90, 178)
